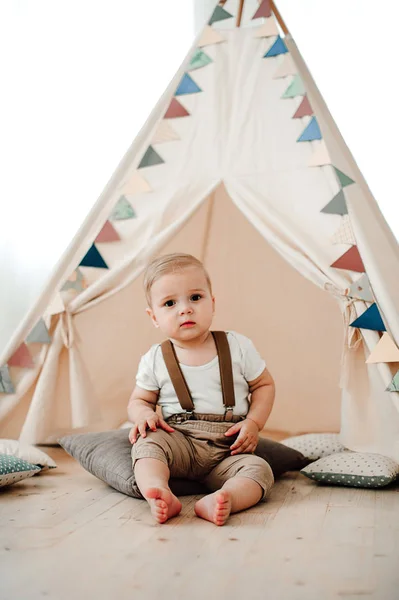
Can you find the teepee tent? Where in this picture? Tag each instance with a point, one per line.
(241, 164)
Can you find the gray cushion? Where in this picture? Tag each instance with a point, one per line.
(107, 455)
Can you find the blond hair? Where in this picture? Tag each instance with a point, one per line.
(170, 263)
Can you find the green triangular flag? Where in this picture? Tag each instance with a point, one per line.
(199, 60)
(122, 210)
(337, 206)
(295, 88)
(394, 385)
(6, 385)
(150, 158)
(343, 179)
(39, 334)
(219, 14)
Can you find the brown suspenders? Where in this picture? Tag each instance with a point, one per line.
(180, 384)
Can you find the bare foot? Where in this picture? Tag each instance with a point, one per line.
(215, 507)
(164, 505)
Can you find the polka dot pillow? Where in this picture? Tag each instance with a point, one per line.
(13, 469)
(353, 469)
(315, 445)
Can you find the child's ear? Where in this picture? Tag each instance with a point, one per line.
(213, 304)
(152, 316)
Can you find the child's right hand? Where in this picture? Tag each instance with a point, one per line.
(152, 422)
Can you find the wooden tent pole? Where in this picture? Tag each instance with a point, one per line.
(239, 14)
(279, 17)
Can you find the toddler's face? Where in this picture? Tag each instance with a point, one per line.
(182, 304)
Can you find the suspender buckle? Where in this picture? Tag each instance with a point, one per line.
(228, 413)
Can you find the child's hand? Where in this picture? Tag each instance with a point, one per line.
(248, 437)
(152, 423)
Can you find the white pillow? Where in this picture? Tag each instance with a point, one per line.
(315, 445)
(29, 453)
(353, 469)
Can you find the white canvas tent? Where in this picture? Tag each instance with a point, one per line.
(217, 171)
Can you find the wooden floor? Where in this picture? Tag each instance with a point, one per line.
(67, 535)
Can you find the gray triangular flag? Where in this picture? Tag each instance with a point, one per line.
(337, 206)
(39, 334)
(150, 158)
(361, 289)
(6, 385)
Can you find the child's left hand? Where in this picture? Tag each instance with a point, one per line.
(247, 439)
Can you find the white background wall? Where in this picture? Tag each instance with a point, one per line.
(80, 77)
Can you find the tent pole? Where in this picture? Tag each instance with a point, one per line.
(209, 214)
(239, 14)
(279, 17)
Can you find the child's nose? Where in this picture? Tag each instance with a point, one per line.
(185, 309)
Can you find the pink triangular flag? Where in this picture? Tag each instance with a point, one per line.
(136, 184)
(350, 260)
(303, 110)
(286, 68)
(210, 36)
(176, 110)
(21, 358)
(344, 235)
(107, 234)
(164, 133)
(385, 351)
(264, 11)
(268, 29)
(320, 157)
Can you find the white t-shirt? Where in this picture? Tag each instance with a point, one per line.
(203, 381)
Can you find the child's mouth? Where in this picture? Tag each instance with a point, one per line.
(188, 324)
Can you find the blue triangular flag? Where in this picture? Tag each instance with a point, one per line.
(278, 48)
(312, 132)
(93, 259)
(370, 319)
(187, 86)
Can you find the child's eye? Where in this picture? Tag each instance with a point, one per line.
(169, 303)
(195, 297)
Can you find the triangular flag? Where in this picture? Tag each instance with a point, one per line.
(264, 10)
(187, 86)
(210, 36)
(311, 132)
(287, 67)
(320, 156)
(370, 319)
(278, 48)
(39, 334)
(136, 184)
(219, 14)
(56, 305)
(6, 385)
(21, 357)
(344, 235)
(343, 179)
(350, 261)
(123, 210)
(199, 60)
(93, 259)
(268, 29)
(394, 385)
(107, 234)
(385, 351)
(75, 281)
(150, 159)
(176, 110)
(361, 289)
(164, 133)
(295, 88)
(303, 110)
(336, 206)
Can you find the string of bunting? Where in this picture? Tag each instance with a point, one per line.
(386, 350)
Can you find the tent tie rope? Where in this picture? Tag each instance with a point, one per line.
(352, 335)
(67, 328)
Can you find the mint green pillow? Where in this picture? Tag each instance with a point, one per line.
(13, 469)
(353, 469)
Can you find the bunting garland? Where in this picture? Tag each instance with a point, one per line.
(209, 37)
(303, 110)
(199, 60)
(277, 48)
(76, 281)
(136, 184)
(385, 351)
(264, 11)
(311, 132)
(107, 234)
(361, 289)
(321, 156)
(187, 86)
(344, 235)
(370, 319)
(150, 159)
(39, 334)
(219, 14)
(350, 261)
(21, 358)
(93, 259)
(268, 29)
(394, 385)
(287, 67)
(6, 385)
(296, 88)
(122, 210)
(336, 206)
(175, 110)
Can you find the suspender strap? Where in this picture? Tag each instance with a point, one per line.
(225, 367)
(180, 384)
(176, 376)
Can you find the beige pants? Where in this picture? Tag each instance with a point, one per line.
(199, 450)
